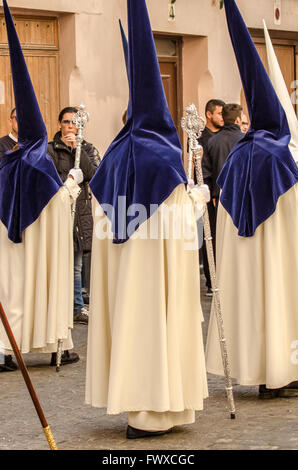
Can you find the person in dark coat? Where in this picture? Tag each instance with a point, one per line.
(9, 141)
(62, 150)
(214, 124)
(214, 121)
(216, 152)
(219, 146)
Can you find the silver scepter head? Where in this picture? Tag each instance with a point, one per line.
(193, 125)
(81, 117)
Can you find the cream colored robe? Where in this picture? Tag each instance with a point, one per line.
(36, 278)
(258, 282)
(145, 349)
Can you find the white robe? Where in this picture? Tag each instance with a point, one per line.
(145, 350)
(36, 278)
(258, 282)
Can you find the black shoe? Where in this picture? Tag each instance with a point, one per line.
(133, 433)
(289, 391)
(66, 358)
(86, 298)
(267, 393)
(9, 365)
(209, 292)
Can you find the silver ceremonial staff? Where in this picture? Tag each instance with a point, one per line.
(80, 120)
(194, 126)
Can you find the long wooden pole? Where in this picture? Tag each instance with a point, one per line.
(27, 379)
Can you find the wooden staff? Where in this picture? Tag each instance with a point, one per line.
(194, 125)
(27, 379)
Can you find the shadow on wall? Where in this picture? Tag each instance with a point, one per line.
(205, 91)
(198, 83)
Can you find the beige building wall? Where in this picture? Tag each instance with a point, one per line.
(92, 65)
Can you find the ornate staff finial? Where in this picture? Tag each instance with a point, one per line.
(81, 117)
(192, 123)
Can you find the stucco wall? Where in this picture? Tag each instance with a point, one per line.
(92, 64)
(67, 6)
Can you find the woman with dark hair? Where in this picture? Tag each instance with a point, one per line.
(62, 150)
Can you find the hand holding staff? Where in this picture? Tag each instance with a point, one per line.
(27, 379)
(194, 125)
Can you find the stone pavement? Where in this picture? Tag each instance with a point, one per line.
(268, 424)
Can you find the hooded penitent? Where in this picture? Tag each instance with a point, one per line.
(260, 168)
(28, 178)
(143, 165)
(280, 87)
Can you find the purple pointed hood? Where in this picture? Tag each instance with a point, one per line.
(260, 167)
(143, 165)
(28, 178)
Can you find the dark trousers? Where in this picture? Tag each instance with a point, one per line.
(86, 271)
(212, 211)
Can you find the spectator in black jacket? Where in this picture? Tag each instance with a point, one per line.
(62, 150)
(214, 124)
(9, 141)
(215, 154)
(214, 121)
(219, 146)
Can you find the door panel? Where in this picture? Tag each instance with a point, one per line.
(44, 72)
(168, 72)
(286, 58)
(39, 40)
(40, 33)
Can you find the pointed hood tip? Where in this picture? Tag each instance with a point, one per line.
(150, 105)
(281, 90)
(265, 110)
(30, 122)
(125, 46)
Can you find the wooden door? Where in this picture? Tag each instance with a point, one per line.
(168, 72)
(286, 58)
(169, 58)
(39, 42)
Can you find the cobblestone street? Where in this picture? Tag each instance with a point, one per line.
(259, 424)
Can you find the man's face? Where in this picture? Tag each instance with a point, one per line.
(239, 120)
(244, 124)
(14, 124)
(216, 117)
(67, 126)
